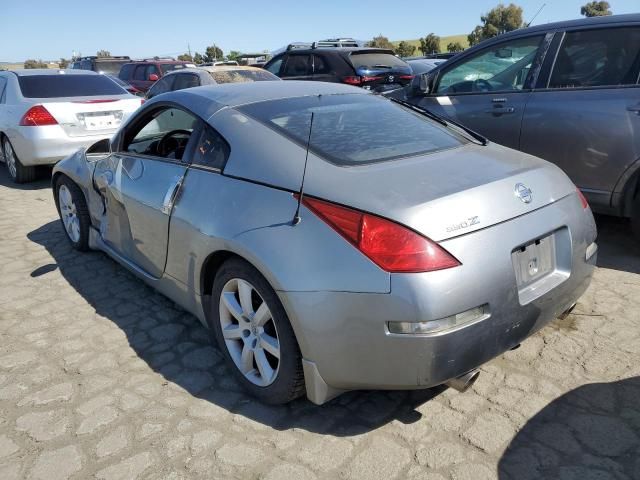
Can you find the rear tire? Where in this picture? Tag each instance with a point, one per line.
(18, 172)
(73, 211)
(245, 305)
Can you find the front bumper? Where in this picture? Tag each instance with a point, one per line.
(49, 144)
(344, 336)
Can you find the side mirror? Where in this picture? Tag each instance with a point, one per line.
(153, 77)
(426, 83)
(101, 147)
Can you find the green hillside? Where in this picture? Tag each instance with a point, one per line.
(444, 41)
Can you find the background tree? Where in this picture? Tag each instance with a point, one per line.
(197, 58)
(380, 42)
(455, 47)
(185, 57)
(103, 53)
(405, 49)
(31, 63)
(213, 53)
(430, 44)
(596, 9)
(63, 63)
(501, 19)
(234, 55)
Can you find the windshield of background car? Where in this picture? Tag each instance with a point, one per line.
(354, 129)
(55, 86)
(110, 67)
(167, 67)
(372, 61)
(238, 76)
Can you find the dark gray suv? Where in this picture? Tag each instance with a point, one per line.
(567, 92)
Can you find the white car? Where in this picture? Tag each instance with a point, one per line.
(46, 115)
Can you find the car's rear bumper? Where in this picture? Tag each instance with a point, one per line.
(46, 145)
(345, 336)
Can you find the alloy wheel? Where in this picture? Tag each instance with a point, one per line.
(68, 213)
(249, 332)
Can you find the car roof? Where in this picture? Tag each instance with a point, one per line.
(339, 50)
(26, 72)
(236, 94)
(581, 22)
(212, 69)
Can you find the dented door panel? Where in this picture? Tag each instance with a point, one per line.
(138, 195)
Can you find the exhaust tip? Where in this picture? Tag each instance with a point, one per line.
(464, 382)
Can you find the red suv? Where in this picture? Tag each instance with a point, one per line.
(144, 73)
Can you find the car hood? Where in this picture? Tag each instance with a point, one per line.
(444, 194)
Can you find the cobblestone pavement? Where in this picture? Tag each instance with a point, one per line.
(102, 377)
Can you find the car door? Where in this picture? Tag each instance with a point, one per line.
(297, 66)
(585, 115)
(140, 182)
(488, 90)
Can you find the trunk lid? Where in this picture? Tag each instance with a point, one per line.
(84, 116)
(445, 194)
(380, 70)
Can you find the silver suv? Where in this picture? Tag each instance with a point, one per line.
(567, 92)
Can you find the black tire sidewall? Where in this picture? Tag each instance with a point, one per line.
(23, 174)
(81, 211)
(289, 383)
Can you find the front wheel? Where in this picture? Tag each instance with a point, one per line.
(73, 211)
(18, 172)
(249, 324)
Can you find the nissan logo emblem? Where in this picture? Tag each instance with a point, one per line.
(523, 193)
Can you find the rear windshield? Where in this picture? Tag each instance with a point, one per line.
(111, 67)
(354, 129)
(54, 86)
(375, 60)
(238, 76)
(167, 67)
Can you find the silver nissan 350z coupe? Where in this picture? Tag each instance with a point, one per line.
(331, 239)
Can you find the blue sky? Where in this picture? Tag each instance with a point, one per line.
(51, 29)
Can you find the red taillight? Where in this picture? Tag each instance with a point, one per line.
(583, 200)
(142, 100)
(37, 116)
(405, 77)
(391, 246)
(352, 80)
(370, 79)
(98, 100)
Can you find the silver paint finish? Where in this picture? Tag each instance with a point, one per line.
(339, 302)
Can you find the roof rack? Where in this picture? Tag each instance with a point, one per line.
(95, 57)
(327, 43)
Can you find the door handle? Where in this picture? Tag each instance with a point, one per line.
(497, 111)
(170, 196)
(634, 108)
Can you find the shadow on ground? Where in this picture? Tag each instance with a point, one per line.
(172, 341)
(592, 432)
(43, 179)
(618, 248)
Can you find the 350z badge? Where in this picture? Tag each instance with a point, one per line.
(462, 225)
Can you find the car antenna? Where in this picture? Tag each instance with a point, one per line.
(537, 13)
(296, 216)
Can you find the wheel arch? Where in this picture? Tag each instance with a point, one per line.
(210, 267)
(628, 187)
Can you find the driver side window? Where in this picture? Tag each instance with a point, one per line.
(163, 133)
(503, 67)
